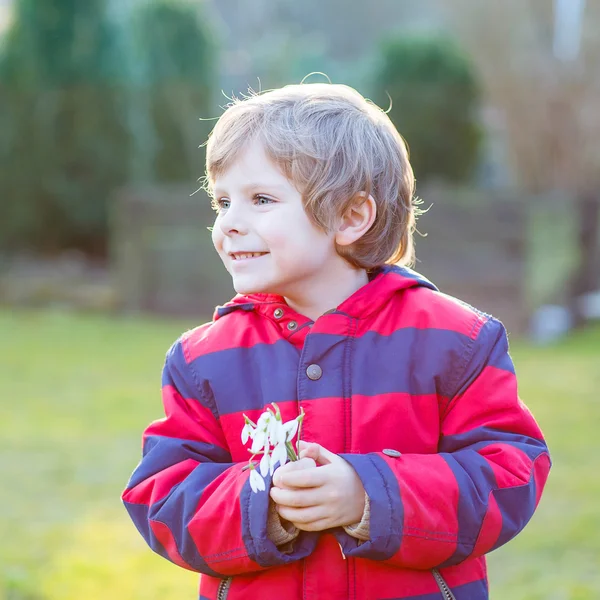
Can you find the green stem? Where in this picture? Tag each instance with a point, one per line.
(290, 451)
(299, 430)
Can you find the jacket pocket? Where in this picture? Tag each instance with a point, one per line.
(223, 590)
(444, 588)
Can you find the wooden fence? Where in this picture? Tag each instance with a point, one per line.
(500, 252)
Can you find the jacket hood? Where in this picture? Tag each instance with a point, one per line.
(384, 283)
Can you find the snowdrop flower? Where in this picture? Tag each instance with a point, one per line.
(279, 455)
(290, 428)
(247, 432)
(265, 464)
(257, 483)
(270, 431)
(260, 440)
(277, 434)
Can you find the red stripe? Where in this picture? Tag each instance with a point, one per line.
(186, 419)
(496, 388)
(490, 528)
(217, 524)
(541, 469)
(424, 309)
(511, 466)
(466, 572)
(429, 535)
(403, 422)
(165, 537)
(415, 308)
(238, 330)
(159, 486)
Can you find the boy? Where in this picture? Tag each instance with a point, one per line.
(419, 457)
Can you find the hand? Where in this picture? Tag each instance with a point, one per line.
(314, 499)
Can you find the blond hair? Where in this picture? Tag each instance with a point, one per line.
(332, 144)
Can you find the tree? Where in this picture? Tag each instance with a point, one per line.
(435, 101)
(548, 107)
(64, 140)
(175, 55)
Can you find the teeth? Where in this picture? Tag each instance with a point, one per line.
(243, 255)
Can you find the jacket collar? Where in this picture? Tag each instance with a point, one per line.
(384, 283)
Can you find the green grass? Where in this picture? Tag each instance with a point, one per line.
(77, 391)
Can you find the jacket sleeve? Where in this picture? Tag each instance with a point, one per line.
(478, 491)
(190, 502)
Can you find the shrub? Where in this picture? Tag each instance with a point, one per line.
(435, 101)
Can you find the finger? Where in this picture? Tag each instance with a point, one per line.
(298, 465)
(321, 455)
(302, 516)
(306, 478)
(319, 525)
(309, 450)
(294, 498)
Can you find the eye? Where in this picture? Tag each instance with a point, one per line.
(261, 200)
(222, 204)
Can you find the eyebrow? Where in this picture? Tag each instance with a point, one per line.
(254, 186)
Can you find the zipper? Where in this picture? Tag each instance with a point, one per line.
(446, 591)
(224, 588)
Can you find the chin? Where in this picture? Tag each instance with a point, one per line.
(250, 287)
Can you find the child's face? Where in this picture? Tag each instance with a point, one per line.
(263, 234)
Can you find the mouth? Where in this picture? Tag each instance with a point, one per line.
(239, 256)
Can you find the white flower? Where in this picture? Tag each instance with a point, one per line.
(276, 433)
(259, 441)
(279, 455)
(247, 432)
(265, 463)
(256, 481)
(263, 421)
(290, 428)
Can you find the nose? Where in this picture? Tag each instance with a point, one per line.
(232, 221)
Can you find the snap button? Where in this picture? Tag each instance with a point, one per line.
(278, 313)
(392, 453)
(314, 372)
(292, 325)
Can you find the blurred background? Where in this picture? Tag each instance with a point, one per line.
(105, 257)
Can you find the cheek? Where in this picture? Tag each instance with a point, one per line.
(217, 237)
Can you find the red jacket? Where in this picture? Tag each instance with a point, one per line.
(416, 390)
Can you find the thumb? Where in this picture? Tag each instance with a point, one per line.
(318, 453)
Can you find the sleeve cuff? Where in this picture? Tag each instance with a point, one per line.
(361, 530)
(280, 532)
(385, 510)
(255, 509)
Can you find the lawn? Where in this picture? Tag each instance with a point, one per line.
(77, 391)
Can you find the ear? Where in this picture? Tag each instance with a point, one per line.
(357, 219)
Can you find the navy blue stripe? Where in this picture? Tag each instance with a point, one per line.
(476, 590)
(178, 508)
(254, 509)
(410, 360)
(242, 379)
(489, 349)
(480, 437)
(162, 452)
(226, 309)
(177, 373)
(409, 274)
(476, 479)
(517, 505)
(387, 511)
(139, 516)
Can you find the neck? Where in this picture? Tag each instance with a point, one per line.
(328, 293)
